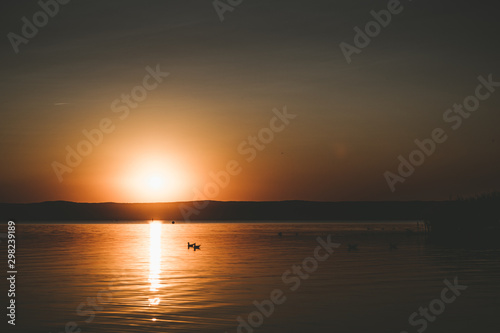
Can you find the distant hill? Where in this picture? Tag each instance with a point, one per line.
(218, 211)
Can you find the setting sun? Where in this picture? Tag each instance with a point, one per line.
(153, 179)
(155, 182)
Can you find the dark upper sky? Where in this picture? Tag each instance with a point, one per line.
(353, 120)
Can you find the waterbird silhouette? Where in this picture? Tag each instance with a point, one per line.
(196, 247)
(191, 245)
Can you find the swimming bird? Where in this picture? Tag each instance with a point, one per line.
(191, 245)
(196, 247)
(352, 247)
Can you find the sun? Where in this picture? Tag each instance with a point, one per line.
(155, 182)
(153, 179)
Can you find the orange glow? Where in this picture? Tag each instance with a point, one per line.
(153, 179)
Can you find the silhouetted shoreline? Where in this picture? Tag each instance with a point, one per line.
(473, 220)
(441, 214)
(219, 211)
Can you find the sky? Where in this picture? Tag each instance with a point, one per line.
(323, 128)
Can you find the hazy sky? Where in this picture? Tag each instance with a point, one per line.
(225, 78)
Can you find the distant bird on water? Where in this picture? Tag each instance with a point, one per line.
(196, 247)
(191, 245)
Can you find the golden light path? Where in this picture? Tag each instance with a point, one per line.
(154, 261)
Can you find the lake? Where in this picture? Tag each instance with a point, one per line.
(142, 277)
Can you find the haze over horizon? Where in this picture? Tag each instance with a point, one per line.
(229, 80)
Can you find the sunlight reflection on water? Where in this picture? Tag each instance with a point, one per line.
(154, 260)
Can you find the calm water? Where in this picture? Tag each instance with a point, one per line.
(143, 278)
